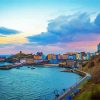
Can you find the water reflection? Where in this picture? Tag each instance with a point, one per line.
(27, 83)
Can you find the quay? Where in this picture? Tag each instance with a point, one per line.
(7, 67)
(71, 90)
(68, 70)
(51, 65)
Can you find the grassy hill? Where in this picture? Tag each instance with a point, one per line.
(91, 90)
(18, 56)
(93, 67)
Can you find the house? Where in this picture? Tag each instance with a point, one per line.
(65, 56)
(70, 63)
(88, 56)
(51, 56)
(78, 56)
(2, 59)
(23, 60)
(72, 57)
(53, 59)
(60, 57)
(37, 57)
(29, 61)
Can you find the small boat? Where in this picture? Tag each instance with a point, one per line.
(17, 67)
(32, 68)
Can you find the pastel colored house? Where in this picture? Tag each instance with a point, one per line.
(2, 59)
(65, 56)
(88, 56)
(37, 58)
(72, 57)
(78, 56)
(82, 56)
(53, 59)
(29, 61)
(23, 60)
(60, 57)
(43, 57)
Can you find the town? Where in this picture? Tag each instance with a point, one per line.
(69, 59)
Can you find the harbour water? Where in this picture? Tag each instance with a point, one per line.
(6, 56)
(40, 83)
(5, 63)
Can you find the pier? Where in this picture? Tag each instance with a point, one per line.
(7, 67)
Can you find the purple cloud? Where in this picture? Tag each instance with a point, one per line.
(69, 29)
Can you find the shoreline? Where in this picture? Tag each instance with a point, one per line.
(85, 76)
(7, 67)
(68, 92)
(51, 65)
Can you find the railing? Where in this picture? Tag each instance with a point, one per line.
(63, 93)
(76, 85)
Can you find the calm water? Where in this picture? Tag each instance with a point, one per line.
(6, 56)
(34, 84)
(4, 63)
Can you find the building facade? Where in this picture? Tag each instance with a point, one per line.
(98, 47)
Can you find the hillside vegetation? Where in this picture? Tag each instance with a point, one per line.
(93, 67)
(91, 90)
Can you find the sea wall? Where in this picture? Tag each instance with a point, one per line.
(69, 91)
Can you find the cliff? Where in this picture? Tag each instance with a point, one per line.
(93, 67)
(91, 90)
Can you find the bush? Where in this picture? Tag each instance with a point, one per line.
(98, 60)
(95, 93)
(92, 64)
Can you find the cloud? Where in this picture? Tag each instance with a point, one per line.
(7, 31)
(72, 28)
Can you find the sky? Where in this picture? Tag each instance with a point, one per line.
(51, 26)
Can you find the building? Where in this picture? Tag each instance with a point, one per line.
(49, 56)
(52, 58)
(83, 56)
(97, 53)
(71, 63)
(88, 56)
(43, 57)
(38, 61)
(65, 56)
(2, 59)
(37, 57)
(78, 56)
(27, 60)
(60, 57)
(23, 60)
(98, 47)
(39, 53)
(72, 57)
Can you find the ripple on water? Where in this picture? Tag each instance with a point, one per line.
(28, 84)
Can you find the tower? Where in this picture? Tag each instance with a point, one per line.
(98, 47)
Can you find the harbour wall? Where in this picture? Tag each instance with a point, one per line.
(69, 91)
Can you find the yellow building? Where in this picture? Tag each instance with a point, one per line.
(51, 56)
(36, 57)
(78, 56)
